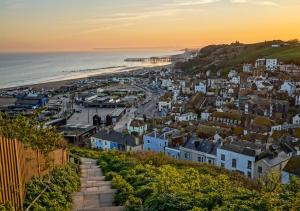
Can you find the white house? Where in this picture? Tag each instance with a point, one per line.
(186, 117)
(165, 102)
(271, 64)
(236, 80)
(236, 157)
(288, 87)
(250, 159)
(232, 74)
(166, 83)
(260, 63)
(200, 87)
(205, 115)
(296, 119)
(200, 150)
(138, 126)
(247, 68)
(297, 99)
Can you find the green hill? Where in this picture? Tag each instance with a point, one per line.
(149, 181)
(224, 57)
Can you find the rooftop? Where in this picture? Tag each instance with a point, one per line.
(117, 137)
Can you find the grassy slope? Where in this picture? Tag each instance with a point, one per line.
(285, 54)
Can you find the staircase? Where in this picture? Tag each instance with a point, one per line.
(96, 194)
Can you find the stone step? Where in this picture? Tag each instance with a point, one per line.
(89, 184)
(119, 208)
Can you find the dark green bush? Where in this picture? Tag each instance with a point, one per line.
(63, 182)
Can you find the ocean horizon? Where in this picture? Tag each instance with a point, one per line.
(26, 68)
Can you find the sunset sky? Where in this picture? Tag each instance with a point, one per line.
(74, 25)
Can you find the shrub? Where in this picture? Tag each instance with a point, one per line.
(63, 182)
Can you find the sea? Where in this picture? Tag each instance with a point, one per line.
(18, 69)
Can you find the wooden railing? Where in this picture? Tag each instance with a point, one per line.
(19, 164)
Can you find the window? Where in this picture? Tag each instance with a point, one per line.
(186, 155)
(249, 174)
(249, 164)
(148, 141)
(233, 163)
(222, 165)
(259, 169)
(201, 159)
(222, 157)
(209, 161)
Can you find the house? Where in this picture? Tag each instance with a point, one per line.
(77, 133)
(158, 140)
(251, 159)
(229, 118)
(288, 87)
(110, 139)
(292, 169)
(271, 64)
(232, 74)
(165, 102)
(205, 115)
(275, 161)
(296, 120)
(260, 63)
(297, 98)
(166, 83)
(138, 126)
(200, 87)
(235, 80)
(200, 150)
(186, 117)
(247, 68)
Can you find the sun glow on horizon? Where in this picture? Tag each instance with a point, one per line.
(65, 25)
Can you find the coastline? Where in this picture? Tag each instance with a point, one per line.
(58, 83)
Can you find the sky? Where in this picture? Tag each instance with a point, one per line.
(83, 25)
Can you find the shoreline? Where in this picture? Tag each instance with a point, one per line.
(58, 83)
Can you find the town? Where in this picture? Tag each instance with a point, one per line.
(245, 120)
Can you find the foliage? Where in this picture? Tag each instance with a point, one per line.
(150, 181)
(63, 182)
(31, 133)
(6, 207)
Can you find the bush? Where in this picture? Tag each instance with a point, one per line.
(149, 181)
(63, 182)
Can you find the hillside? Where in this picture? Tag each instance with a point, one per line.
(149, 181)
(224, 57)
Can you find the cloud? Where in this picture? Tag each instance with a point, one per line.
(257, 2)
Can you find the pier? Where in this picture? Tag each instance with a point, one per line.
(155, 59)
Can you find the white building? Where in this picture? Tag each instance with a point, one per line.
(260, 63)
(288, 87)
(238, 158)
(138, 126)
(271, 64)
(296, 119)
(236, 80)
(186, 117)
(250, 159)
(205, 115)
(166, 83)
(200, 87)
(247, 68)
(297, 99)
(232, 73)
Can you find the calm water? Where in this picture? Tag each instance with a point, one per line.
(29, 68)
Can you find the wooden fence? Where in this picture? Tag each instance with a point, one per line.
(19, 164)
